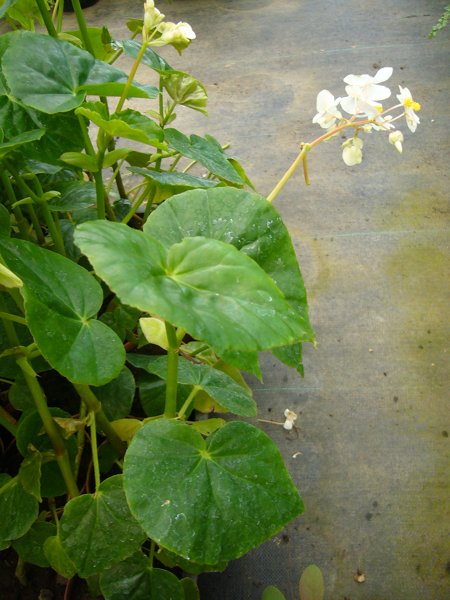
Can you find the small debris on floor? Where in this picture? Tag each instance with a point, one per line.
(359, 577)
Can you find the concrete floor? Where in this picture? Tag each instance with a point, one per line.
(374, 247)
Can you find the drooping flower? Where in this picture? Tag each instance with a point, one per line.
(327, 113)
(352, 151)
(179, 35)
(410, 106)
(396, 139)
(364, 92)
(291, 417)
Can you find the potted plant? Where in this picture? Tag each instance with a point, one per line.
(127, 312)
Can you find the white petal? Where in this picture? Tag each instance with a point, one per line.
(324, 100)
(383, 74)
(377, 92)
(348, 103)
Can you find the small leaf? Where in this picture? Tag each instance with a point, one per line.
(126, 428)
(30, 547)
(272, 593)
(18, 509)
(57, 557)
(89, 524)
(80, 160)
(174, 178)
(185, 90)
(30, 473)
(191, 591)
(205, 152)
(207, 426)
(311, 585)
(215, 383)
(135, 579)
(150, 58)
(173, 478)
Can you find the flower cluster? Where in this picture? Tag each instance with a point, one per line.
(157, 32)
(363, 103)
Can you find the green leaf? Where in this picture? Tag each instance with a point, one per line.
(25, 12)
(272, 593)
(171, 560)
(311, 585)
(75, 195)
(150, 58)
(191, 591)
(205, 152)
(97, 530)
(251, 224)
(80, 160)
(135, 579)
(19, 140)
(30, 431)
(57, 557)
(54, 76)
(128, 124)
(101, 51)
(117, 395)
(185, 90)
(61, 299)
(19, 509)
(207, 426)
(208, 500)
(6, 5)
(205, 286)
(220, 386)
(174, 178)
(30, 473)
(30, 547)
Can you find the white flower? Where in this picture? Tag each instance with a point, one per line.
(410, 106)
(291, 416)
(382, 123)
(152, 17)
(352, 153)
(396, 139)
(327, 113)
(364, 92)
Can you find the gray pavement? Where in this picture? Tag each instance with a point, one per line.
(374, 248)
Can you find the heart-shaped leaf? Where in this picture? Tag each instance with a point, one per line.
(57, 557)
(207, 287)
(272, 593)
(54, 76)
(61, 299)
(30, 547)
(97, 530)
(135, 579)
(208, 500)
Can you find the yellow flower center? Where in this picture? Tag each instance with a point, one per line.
(379, 108)
(408, 102)
(416, 106)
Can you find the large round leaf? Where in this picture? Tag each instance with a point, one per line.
(97, 530)
(54, 76)
(205, 286)
(251, 224)
(212, 500)
(135, 579)
(60, 300)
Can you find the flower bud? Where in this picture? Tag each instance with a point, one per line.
(396, 139)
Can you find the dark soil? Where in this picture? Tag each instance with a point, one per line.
(41, 584)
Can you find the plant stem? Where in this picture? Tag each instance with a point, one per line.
(80, 439)
(54, 229)
(8, 421)
(188, 400)
(83, 27)
(15, 318)
(46, 18)
(94, 405)
(61, 455)
(172, 372)
(94, 450)
(134, 68)
(22, 223)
